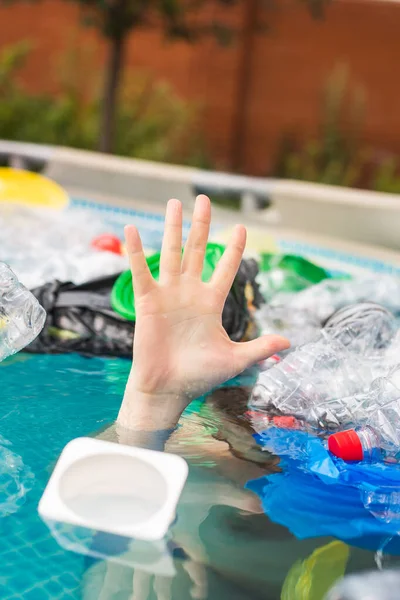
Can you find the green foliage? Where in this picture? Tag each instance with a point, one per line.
(153, 122)
(176, 17)
(337, 156)
(387, 177)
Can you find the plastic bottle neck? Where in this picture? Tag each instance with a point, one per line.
(370, 443)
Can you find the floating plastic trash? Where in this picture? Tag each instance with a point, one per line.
(319, 495)
(298, 326)
(311, 578)
(21, 316)
(114, 488)
(282, 274)
(319, 382)
(328, 296)
(379, 436)
(58, 244)
(108, 242)
(374, 585)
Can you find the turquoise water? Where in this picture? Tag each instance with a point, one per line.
(45, 402)
(222, 546)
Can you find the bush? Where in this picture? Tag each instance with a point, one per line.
(152, 123)
(336, 156)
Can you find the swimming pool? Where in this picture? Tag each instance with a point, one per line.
(222, 546)
(48, 400)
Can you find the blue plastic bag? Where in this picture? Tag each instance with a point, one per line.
(318, 494)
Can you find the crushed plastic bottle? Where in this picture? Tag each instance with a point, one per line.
(373, 585)
(320, 382)
(378, 438)
(21, 316)
(366, 326)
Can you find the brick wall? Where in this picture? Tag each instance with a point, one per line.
(284, 71)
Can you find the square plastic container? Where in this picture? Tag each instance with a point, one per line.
(115, 488)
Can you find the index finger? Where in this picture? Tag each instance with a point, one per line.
(142, 279)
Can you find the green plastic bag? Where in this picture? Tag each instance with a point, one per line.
(313, 578)
(287, 273)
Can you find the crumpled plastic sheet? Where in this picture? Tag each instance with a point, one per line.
(318, 494)
(16, 480)
(328, 296)
(43, 245)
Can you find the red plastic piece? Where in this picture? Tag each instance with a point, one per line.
(285, 422)
(346, 445)
(108, 242)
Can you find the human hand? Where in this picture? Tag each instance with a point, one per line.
(181, 349)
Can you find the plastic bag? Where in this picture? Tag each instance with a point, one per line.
(319, 495)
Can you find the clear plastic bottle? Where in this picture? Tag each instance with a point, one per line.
(309, 379)
(374, 585)
(21, 316)
(320, 382)
(378, 438)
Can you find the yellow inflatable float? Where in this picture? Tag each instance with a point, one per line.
(31, 189)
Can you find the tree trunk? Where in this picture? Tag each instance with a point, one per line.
(243, 96)
(110, 95)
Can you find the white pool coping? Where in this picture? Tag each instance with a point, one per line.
(318, 211)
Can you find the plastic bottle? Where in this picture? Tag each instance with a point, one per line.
(378, 438)
(366, 326)
(321, 381)
(374, 585)
(21, 316)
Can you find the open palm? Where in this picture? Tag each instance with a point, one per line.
(181, 349)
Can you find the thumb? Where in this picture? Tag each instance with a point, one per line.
(249, 353)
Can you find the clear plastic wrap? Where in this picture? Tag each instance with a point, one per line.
(328, 296)
(21, 316)
(374, 585)
(43, 245)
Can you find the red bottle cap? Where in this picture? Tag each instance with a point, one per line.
(107, 242)
(346, 445)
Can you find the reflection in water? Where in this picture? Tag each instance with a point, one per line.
(16, 480)
(115, 563)
(221, 544)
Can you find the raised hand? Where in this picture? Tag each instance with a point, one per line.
(181, 349)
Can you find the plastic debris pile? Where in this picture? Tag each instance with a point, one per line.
(41, 245)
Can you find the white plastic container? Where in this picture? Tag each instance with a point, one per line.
(114, 488)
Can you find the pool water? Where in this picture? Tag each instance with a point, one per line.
(223, 546)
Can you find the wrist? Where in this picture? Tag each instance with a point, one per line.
(149, 411)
